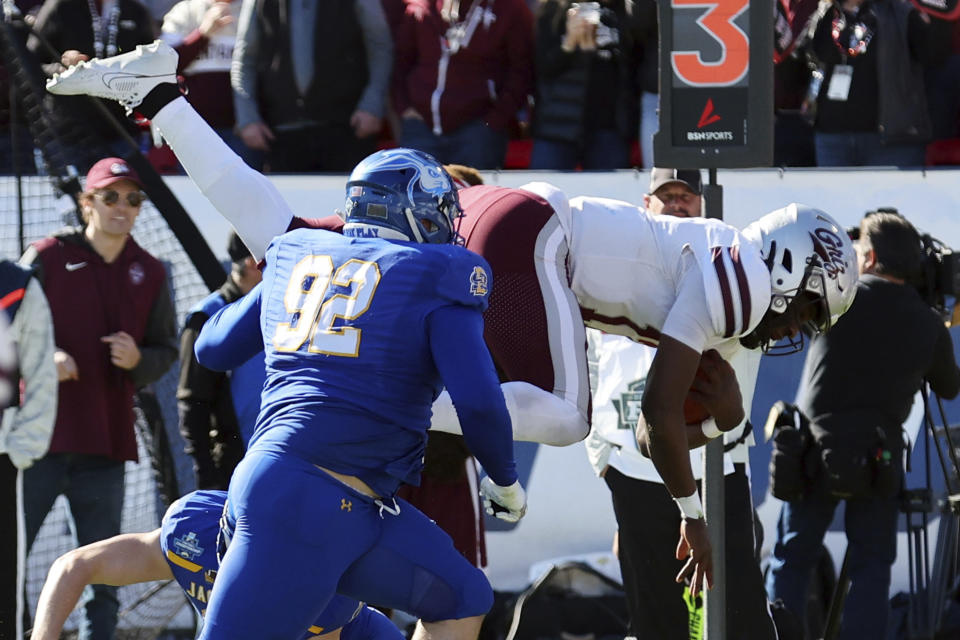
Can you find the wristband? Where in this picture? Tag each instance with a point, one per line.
(690, 507)
(710, 429)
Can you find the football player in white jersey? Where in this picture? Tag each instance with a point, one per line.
(647, 517)
(560, 265)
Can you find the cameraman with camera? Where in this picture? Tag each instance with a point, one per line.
(857, 388)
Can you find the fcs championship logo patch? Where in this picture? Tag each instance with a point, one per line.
(188, 546)
(479, 282)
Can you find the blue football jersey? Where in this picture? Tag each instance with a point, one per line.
(188, 538)
(350, 375)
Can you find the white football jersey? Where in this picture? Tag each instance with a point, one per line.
(618, 372)
(636, 274)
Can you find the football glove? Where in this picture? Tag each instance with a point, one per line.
(506, 503)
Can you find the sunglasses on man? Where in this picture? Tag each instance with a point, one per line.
(110, 197)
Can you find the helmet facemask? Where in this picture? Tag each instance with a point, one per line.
(434, 220)
(783, 332)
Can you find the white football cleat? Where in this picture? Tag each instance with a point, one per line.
(126, 78)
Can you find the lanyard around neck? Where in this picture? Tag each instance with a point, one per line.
(113, 24)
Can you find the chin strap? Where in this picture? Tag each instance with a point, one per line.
(414, 226)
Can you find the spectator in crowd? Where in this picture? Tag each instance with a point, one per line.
(855, 412)
(114, 331)
(463, 71)
(647, 39)
(871, 105)
(16, 143)
(675, 192)
(647, 517)
(792, 124)
(219, 410)
(586, 103)
(203, 33)
(310, 81)
(943, 90)
(79, 30)
(27, 422)
(792, 130)
(167, 554)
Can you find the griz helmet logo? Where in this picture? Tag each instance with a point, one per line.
(828, 245)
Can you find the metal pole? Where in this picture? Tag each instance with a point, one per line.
(10, 12)
(715, 601)
(832, 626)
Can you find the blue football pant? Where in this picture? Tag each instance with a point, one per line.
(302, 536)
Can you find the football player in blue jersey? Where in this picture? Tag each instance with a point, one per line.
(185, 549)
(361, 332)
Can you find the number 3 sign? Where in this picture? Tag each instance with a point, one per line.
(718, 21)
(716, 88)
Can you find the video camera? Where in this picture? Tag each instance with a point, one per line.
(939, 276)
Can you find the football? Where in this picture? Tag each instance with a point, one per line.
(693, 410)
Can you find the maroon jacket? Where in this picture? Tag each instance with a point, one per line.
(489, 77)
(90, 299)
(210, 92)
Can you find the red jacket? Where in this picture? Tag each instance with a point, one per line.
(90, 298)
(488, 76)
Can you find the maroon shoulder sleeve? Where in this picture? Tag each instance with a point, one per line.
(329, 223)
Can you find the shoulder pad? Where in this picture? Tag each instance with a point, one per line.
(737, 284)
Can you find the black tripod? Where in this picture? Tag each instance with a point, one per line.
(930, 578)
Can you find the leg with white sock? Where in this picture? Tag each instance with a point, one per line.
(245, 197)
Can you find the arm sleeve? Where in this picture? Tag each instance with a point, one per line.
(159, 348)
(518, 80)
(177, 23)
(47, 26)
(31, 424)
(944, 377)
(146, 25)
(232, 336)
(31, 258)
(379, 47)
(551, 59)
(929, 41)
(197, 384)
(822, 46)
(243, 70)
(246, 198)
(196, 393)
(404, 58)
(188, 46)
(689, 319)
(465, 365)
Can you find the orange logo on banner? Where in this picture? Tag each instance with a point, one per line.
(734, 46)
(708, 116)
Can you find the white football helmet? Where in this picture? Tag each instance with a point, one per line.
(806, 251)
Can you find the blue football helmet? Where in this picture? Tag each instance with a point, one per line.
(401, 194)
